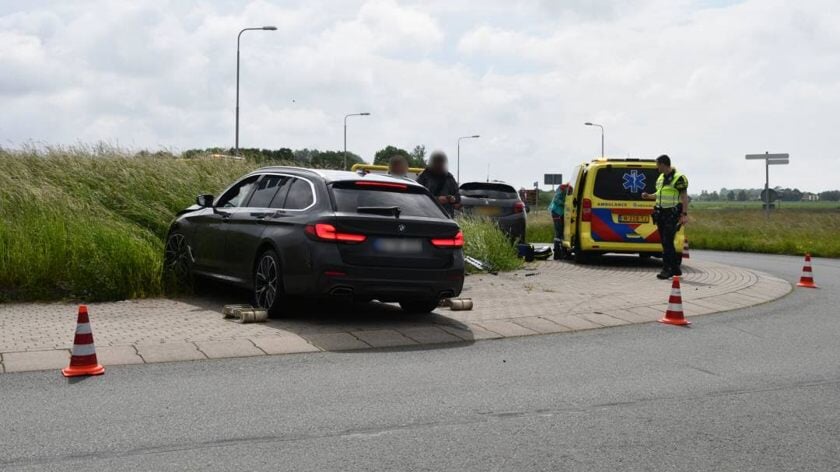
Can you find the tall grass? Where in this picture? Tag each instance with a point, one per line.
(486, 242)
(794, 231)
(89, 224)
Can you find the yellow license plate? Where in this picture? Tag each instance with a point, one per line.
(634, 219)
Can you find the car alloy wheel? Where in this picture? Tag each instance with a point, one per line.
(267, 281)
(177, 257)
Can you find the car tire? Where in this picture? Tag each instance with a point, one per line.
(419, 307)
(268, 293)
(177, 261)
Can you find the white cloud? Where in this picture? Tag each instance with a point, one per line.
(705, 84)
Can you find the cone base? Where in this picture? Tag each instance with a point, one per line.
(682, 322)
(807, 285)
(81, 371)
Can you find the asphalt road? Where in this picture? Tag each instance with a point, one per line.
(752, 390)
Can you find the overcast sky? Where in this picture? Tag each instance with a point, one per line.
(705, 81)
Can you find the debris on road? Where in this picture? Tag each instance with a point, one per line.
(245, 313)
(480, 265)
(459, 304)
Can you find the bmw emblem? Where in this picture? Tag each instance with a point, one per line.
(401, 228)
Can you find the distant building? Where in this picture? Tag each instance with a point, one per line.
(810, 197)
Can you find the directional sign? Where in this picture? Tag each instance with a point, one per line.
(768, 156)
(553, 179)
(773, 195)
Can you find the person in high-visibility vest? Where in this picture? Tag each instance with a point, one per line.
(670, 212)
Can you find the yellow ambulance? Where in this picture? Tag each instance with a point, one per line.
(605, 213)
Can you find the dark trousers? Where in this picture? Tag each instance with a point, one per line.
(667, 232)
(558, 226)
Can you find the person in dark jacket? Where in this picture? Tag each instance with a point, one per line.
(440, 182)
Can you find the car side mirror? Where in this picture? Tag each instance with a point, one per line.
(204, 201)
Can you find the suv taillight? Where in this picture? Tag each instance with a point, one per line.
(327, 232)
(457, 241)
(586, 213)
(519, 207)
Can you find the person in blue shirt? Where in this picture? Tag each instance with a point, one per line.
(557, 209)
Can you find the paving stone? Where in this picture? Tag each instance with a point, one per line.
(509, 304)
(118, 355)
(507, 329)
(574, 322)
(286, 344)
(429, 335)
(170, 352)
(229, 348)
(604, 319)
(35, 360)
(336, 341)
(383, 338)
(470, 332)
(541, 325)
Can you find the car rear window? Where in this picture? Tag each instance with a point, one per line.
(488, 190)
(348, 200)
(624, 183)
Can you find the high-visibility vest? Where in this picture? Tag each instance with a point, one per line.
(667, 196)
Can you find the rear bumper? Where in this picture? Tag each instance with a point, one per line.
(589, 245)
(331, 276)
(388, 285)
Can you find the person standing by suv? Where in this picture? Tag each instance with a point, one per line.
(670, 212)
(558, 209)
(441, 183)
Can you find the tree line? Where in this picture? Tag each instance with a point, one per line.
(313, 157)
(753, 194)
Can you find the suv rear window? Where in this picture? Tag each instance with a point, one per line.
(624, 183)
(348, 200)
(488, 190)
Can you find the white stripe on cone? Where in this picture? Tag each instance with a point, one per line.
(675, 307)
(83, 328)
(83, 349)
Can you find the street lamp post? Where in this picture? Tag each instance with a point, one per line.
(458, 176)
(602, 135)
(238, 37)
(345, 133)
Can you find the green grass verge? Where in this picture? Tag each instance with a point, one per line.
(486, 242)
(89, 224)
(794, 231)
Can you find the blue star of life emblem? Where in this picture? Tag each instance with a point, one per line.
(634, 181)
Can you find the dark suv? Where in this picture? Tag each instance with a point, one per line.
(287, 230)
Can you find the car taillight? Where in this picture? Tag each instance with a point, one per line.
(519, 207)
(327, 232)
(457, 241)
(586, 213)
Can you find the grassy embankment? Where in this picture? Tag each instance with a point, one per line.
(794, 229)
(89, 224)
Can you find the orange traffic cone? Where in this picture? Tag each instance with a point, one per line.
(674, 313)
(807, 279)
(83, 361)
(685, 249)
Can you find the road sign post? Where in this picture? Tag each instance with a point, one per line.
(769, 160)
